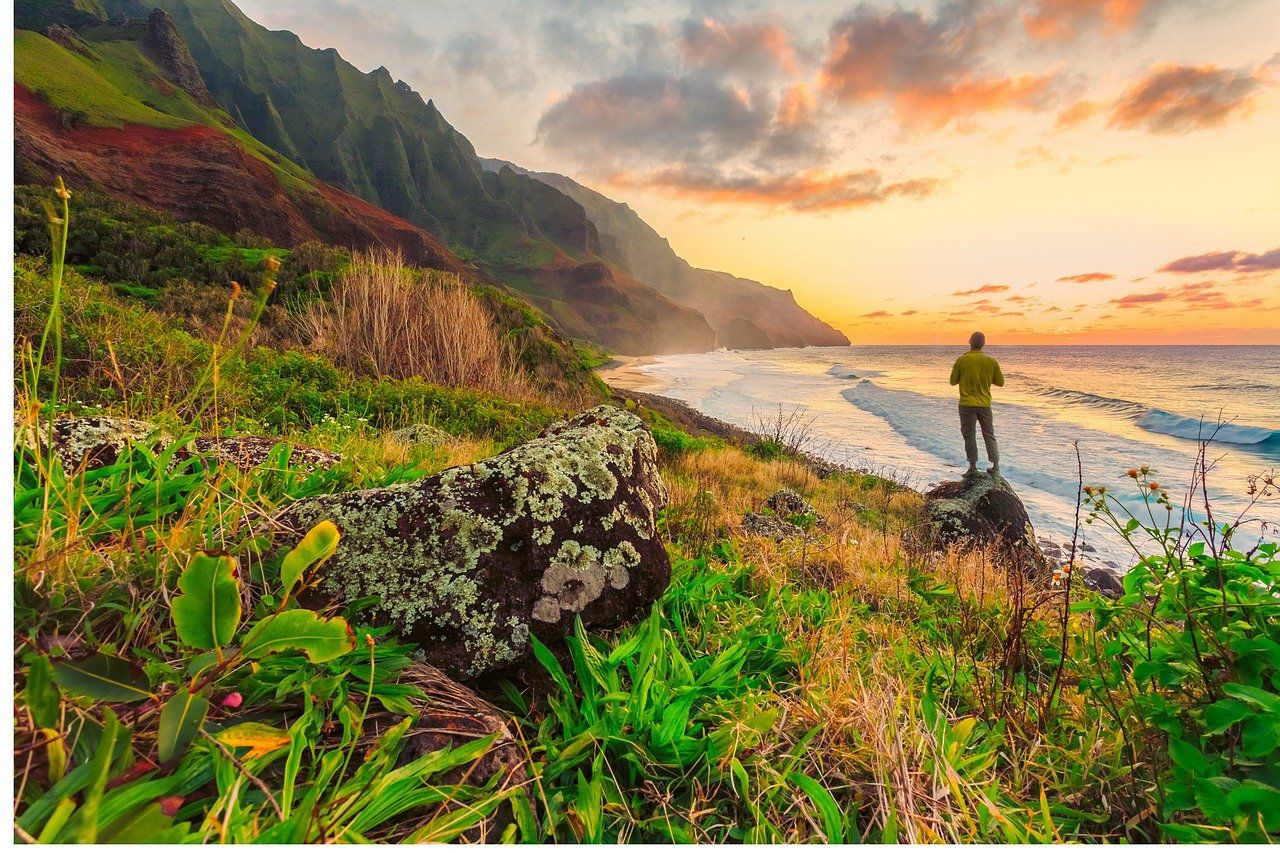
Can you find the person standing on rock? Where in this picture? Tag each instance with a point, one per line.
(975, 372)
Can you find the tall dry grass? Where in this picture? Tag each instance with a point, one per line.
(389, 319)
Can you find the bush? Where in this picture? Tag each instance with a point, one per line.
(387, 319)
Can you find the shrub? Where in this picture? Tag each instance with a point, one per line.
(390, 320)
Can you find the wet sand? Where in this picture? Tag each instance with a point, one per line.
(624, 372)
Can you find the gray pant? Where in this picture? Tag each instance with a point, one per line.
(970, 417)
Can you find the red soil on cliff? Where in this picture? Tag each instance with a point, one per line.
(201, 174)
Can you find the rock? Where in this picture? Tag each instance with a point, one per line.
(452, 716)
(786, 503)
(432, 436)
(1103, 582)
(782, 505)
(165, 44)
(470, 563)
(980, 511)
(246, 452)
(95, 441)
(763, 524)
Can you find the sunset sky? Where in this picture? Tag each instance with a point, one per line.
(1102, 171)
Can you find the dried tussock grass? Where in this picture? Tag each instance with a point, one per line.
(389, 319)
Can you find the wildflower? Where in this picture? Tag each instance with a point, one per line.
(271, 263)
(62, 191)
(235, 290)
(1132, 472)
(1145, 470)
(232, 700)
(1153, 486)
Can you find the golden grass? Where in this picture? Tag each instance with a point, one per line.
(874, 740)
(388, 319)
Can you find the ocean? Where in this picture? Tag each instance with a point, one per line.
(890, 409)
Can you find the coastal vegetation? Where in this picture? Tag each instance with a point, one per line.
(174, 683)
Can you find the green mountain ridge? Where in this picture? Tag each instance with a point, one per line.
(745, 313)
(516, 230)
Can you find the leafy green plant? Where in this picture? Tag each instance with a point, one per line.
(1191, 650)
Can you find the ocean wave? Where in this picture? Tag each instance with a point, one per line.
(846, 371)
(1162, 422)
(1167, 423)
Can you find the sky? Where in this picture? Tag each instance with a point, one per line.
(1049, 171)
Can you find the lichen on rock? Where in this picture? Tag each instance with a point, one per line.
(470, 562)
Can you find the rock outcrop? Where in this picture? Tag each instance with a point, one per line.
(97, 441)
(470, 563)
(782, 506)
(249, 451)
(979, 512)
(169, 50)
(431, 436)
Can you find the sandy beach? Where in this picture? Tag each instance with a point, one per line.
(625, 372)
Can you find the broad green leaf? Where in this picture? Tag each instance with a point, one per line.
(208, 611)
(1221, 715)
(832, 818)
(302, 630)
(180, 719)
(259, 737)
(148, 825)
(41, 694)
(103, 677)
(316, 547)
(1261, 735)
(1255, 696)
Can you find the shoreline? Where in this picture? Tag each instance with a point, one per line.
(626, 372)
(694, 421)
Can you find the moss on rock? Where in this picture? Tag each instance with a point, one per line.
(470, 562)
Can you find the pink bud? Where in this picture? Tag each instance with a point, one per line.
(232, 700)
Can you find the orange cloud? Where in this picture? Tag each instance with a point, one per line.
(932, 69)
(797, 107)
(939, 106)
(809, 192)
(1064, 19)
(1087, 277)
(986, 288)
(1182, 98)
(1078, 112)
(742, 45)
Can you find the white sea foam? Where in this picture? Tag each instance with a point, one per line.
(891, 409)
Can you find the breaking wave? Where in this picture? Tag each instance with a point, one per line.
(1165, 423)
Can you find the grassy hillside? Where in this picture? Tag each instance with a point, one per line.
(832, 686)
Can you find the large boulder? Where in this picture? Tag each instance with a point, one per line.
(470, 563)
(981, 511)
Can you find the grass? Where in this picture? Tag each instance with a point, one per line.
(71, 83)
(834, 686)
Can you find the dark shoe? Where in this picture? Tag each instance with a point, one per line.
(994, 470)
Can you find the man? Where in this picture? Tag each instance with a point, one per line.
(975, 372)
